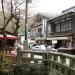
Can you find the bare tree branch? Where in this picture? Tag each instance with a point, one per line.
(2, 1)
(9, 19)
(14, 14)
(11, 7)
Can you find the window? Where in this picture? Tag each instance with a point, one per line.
(63, 26)
(57, 27)
(49, 28)
(39, 29)
(68, 25)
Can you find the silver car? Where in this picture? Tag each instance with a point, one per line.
(38, 47)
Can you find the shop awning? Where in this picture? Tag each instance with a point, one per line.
(40, 38)
(58, 38)
(8, 37)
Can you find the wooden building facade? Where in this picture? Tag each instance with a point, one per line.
(62, 29)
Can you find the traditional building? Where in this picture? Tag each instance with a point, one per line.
(62, 30)
(38, 28)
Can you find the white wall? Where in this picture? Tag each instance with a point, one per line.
(22, 39)
(44, 24)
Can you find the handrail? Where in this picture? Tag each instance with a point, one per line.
(55, 53)
(64, 54)
(62, 63)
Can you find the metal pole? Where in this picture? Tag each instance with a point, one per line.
(26, 10)
(26, 20)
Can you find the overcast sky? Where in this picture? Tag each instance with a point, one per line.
(52, 6)
(48, 6)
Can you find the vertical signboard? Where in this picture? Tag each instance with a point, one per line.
(44, 28)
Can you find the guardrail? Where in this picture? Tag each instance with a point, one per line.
(53, 62)
(63, 64)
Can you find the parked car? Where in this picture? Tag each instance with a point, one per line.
(51, 48)
(37, 47)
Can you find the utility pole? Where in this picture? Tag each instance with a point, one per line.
(26, 11)
(26, 30)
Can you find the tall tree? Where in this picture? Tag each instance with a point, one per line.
(11, 8)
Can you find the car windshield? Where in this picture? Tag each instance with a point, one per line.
(34, 44)
(37, 46)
